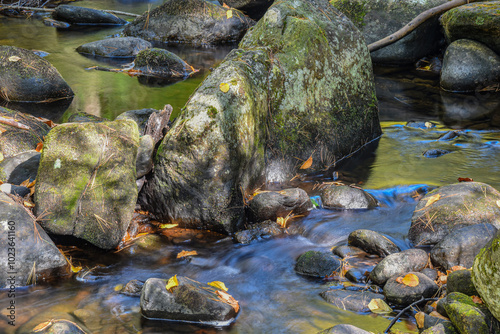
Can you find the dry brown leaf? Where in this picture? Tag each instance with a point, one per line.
(399, 280)
(477, 300)
(39, 147)
(42, 326)
(411, 280)
(307, 164)
(186, 253)
(420, 316)
(432, 199)
(465, 179)
(225, 6)
(455, 268)
(228, 299)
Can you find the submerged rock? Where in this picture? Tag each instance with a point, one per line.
(435, 153)
(190, 301)
(372, 242)
(270, 205)
(476, 21)
(344, 329)
(256, 231)
(378, 19)
(486, 277)
(285, 104)
(190, 21)
(398, 264)
(402, 294)
(317, 264)
(468, 66)
(92, 166)
(133, 288)
(451, 207)
(120, 47)
(356, 301)
(26, 77)
(35, 253)
(346, 197)
(161, 63)
(53, 322)
(22, 138)
(460, 246)
(83, 16)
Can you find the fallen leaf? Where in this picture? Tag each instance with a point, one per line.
(225, 6)
(118, 287)
(428, 125)
(228, 299)
(465, 179)
(75, 269)
(432, 199)
(224, 87)
(172, 283)
(14, 59)
(218, 284)
(307, 164)
(420, 316)
(25, 183)
(377, 305)
(229, 14)
(186, 253)
(399, 280)
(39, 147)
(168, 225)
(28, 204)
(411, 280)
(455, 268)
(42, 326)
(437, 315)
(31, 184)
(477, 300)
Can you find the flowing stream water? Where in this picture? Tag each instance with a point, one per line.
(273, 298)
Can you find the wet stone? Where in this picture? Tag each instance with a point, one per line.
(348, 251)
(83, 117)
(431, 321)
(257, 231)
(461, 281)
(442, 328)
(81, 15)
(133, 288)
(420, 125)
(161, 63)
(270, 205)
(404, 295)
(372, 242)
(356, 301)
(120, 47)
(450, 135)
(317, 264)
(14, 190)
(344, 329)
(346, 197)
(398, 264)
(431, 273)
(435, 153)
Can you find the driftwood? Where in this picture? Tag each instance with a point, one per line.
(421, 18)
(49, 10)
(157, 122)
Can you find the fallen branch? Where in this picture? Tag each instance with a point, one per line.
(406, 309)
(49, 10)
(421, 18)
(14, 123)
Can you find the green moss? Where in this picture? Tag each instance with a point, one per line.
(212, 112)
(354, 10)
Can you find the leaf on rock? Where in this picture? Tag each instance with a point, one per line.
(42, 326)
(186, 253)
(438, 315)
(477, 300)
(455, 268)
(39, 147)
(411, 280)
(228, 299)
(118, 287)
(168, 225)
(307, 164)
(377, 305)
(75, 269)
(399, 280)
(14, 59)
(465, 179)
(433, 199)
(172, 283)
(224, 5)
(218, 284)
(224, 87)
(29, 204)
(229, 14)
(420, 316)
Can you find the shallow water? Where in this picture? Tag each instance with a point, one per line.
(260, 276)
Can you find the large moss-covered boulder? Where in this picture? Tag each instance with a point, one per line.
(190, 21)
(379, 18)
(26, 247)
(468, 66)
(22, 134)
(86, 181)
(486, 275)
(301, 83)
(452, 207)
(27, 77)
(478, 21)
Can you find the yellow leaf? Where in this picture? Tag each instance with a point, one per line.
(42, 326)
(168, 225)
(186, 253)
(432, 199)
(118, 287)
(172, 283)
(75, 269)
(1, 159)
(307, 164)
(218, 284)
(224, 87)
(28, 204)
(420, 316)
(228, 299)
(411, 280)
(379, 306)
(229, 14)
(14, 59)
(428, 125)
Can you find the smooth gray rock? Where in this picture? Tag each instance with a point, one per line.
(461, 245)
(120, 47)
(372, 242)
(468, 66)
(317, 264)
(161, 63)
(20, 167)
(144, 162)
(404, 295)
(273, 204)
(398, 264)
(33, 249)
(346, 197)
(348, 251)
(83, 16)
(133, 288)
(355, 301)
